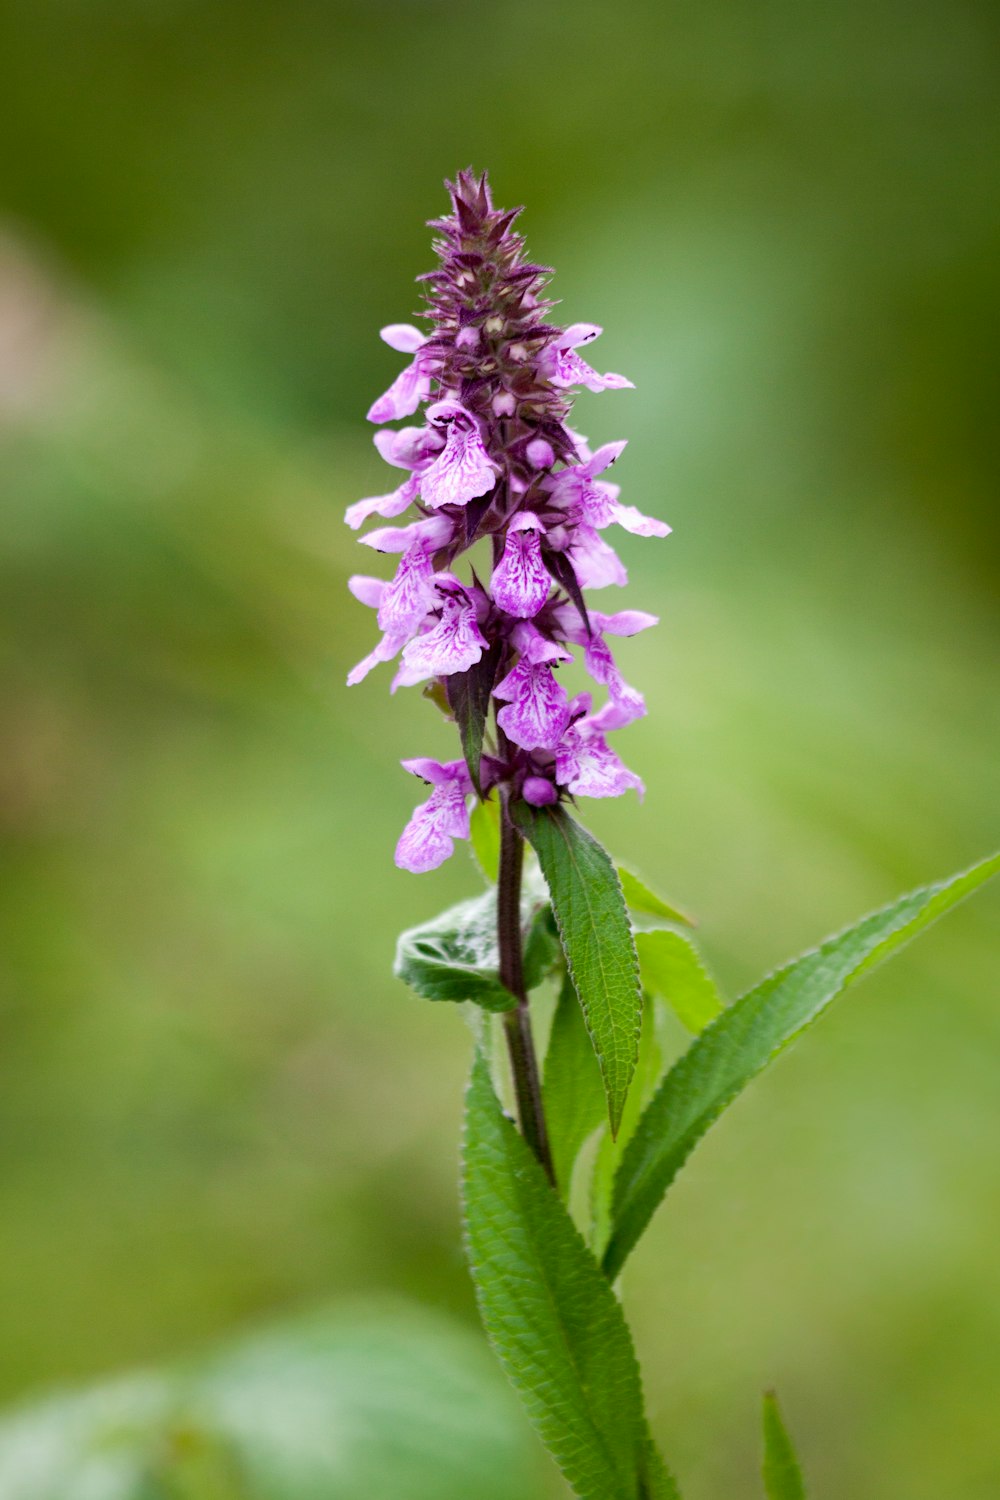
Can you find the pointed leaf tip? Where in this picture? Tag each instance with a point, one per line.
(748, 1036)
(641, 898)
(597, 941)
(782, 1475)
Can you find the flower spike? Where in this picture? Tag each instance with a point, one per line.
(494, 457)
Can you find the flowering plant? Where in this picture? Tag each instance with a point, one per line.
(495, 468)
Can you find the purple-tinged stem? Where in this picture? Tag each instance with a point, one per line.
(517, 1021)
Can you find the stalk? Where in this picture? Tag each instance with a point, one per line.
(517, 1021)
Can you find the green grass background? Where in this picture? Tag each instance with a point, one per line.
(215, 1101)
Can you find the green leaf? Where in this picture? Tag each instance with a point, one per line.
(455, 957)
(639, 897)
(671, 967)
(384, 1400)
(596, 938)
(745, 1038)
(484, 834)
(782, 1475)
(656, 1481)
(609, 1151)
(573, 1091)
(469, 698)
(551, 1316)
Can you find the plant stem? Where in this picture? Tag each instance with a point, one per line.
(517, 1022)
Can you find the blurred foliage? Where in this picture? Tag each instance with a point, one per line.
(378, 1402)
(214, 1099)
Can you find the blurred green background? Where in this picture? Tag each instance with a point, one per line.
(215, 1102)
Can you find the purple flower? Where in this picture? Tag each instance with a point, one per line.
(495, 460)
(625, 702)
(389, 505)
(537, 707)
(521, 582)
(595, 502)
(428, 838)
(413, 385)
(453, 644)
(586, 766)
(386, 649)
(566, 368)
(597, 565)
(464, 470)
(406, 600)
(409, 447)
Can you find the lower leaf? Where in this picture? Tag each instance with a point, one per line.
(551, 1316)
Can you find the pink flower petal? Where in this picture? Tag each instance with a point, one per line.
(537, 711)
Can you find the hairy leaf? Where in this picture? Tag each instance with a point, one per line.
(597, 941)
(551, 1316)
(455, 957)
(782, 1475)
(573, 1090)
(469, 698)
(640, 898)
(745, 1038)
(671, 967)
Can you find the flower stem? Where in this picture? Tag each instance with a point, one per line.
(517, 1021)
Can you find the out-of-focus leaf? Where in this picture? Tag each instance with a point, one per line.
(671, 967)
(454, 956)
(782, 1475)
(553, 1319)
(610, 1151)
(573, 1090)
(639, 897)
(392, 1402)
(484, 833)
(597, 941)
(469, 698)
(745, 1038)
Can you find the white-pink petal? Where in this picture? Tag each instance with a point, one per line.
(403, 337)
(521, 582)
(454, 644)
(384, 651)
(367, 590)
(461, 473)
(410, 387)
(389, 505)
(631, 519)
(406, 600)
(537, 707)
(428, 838)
